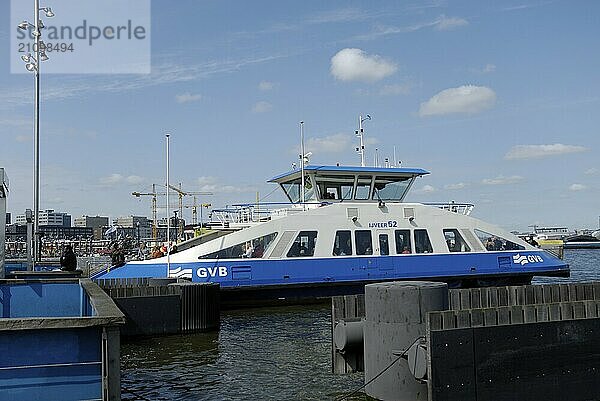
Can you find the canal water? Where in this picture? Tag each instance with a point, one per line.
(261, 354)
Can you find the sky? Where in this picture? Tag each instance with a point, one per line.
(498, 100)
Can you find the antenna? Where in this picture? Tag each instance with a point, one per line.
(395, 161)
(302, 156)
(359, 133)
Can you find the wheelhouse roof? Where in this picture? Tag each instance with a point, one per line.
(387, 171)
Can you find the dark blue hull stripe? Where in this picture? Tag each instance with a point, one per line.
(276, 272)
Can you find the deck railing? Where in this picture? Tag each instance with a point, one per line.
(252, 213)
(460, 208)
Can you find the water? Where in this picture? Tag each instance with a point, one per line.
(261, 354)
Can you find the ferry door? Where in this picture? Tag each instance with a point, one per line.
(383, 248)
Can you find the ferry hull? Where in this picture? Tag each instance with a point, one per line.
(250, 281)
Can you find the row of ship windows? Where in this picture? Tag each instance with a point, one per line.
(305, 242)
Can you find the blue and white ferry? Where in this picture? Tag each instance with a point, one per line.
(348, 226)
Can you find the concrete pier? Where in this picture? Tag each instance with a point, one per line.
(396, 315)
(531, 342)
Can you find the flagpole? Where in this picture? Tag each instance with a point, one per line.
(168, 215)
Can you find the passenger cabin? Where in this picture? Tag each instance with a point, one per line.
(348, 184)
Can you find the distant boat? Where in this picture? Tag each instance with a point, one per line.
(582, 242)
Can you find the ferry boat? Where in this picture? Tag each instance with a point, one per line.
(345, 227)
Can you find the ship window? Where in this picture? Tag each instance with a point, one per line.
(363, 187)
(335, 186)
(455, 241)
(403, 242)
(255, 248)
(422, 243)
(293, 190)
(493, 242)
(304, 245)
(384, 245)
(390, 188)
(364, 242)
(342, 244)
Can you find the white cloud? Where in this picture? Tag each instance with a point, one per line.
(577, 187)
(469, 99)
(501, 180)
(356, 65)
(447, 23)
(134, 179)
(262, 107)
(426, 189)
(591, 171)
(459, 185)
(162, 73)
(211, 184)
(329, 144)
(114, 178)
(117, 178)
(395, 89)
(489, 68)
(539, 151)
(188, 97)
(266, 85)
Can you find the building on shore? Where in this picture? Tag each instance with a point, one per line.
(99, 224)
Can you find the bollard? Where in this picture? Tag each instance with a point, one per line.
(395, 317)
(348, 334)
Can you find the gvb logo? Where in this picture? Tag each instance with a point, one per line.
(524, 259)
(205, 272)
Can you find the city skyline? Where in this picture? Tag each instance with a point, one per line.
(497, 101)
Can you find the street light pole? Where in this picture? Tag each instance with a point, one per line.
(36, 134)
(33, 64)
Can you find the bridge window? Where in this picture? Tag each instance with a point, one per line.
(335, 186)
(455, 241)
(304, 245)
(363, 187)
(342, 244)
(390, 188)
(255, 248)
(293, 190)
(403, 242)
(493, 242)
(364, 242)
(422, 243)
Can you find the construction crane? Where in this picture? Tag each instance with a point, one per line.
(194, 207)
(153, 194)
(180, 194)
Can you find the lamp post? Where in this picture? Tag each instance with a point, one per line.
(33, 64)
(137, 225)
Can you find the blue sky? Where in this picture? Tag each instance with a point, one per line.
(499, 100)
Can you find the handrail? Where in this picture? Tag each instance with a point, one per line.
(51, 365)
(459, 208)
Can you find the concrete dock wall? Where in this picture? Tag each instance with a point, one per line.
(156, 307)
